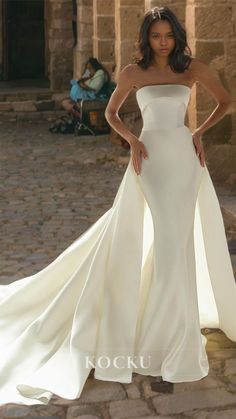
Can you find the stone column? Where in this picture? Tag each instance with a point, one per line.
(84, 48)
(104, 32)
(128, 16)
(60, 44)
(211, 27)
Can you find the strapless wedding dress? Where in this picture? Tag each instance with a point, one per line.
(132, 293)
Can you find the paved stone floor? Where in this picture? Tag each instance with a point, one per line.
(53, 187)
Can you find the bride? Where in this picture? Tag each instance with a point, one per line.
(132, 293)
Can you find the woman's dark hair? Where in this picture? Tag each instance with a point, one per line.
(97, 65)
(180, 57)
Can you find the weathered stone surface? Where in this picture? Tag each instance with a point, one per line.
(132, 390)
(5, 106)
(26, 106)
(98, 390)
(207, 382)
(182, 402)
(126, 409)
(206, 19)
(13, 411)
(230, 366)
(44, 105)
(84, 411)
(215, 414)
(222, 161)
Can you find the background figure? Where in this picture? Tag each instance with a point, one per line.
(87, 87)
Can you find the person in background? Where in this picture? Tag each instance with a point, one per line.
(87, 87)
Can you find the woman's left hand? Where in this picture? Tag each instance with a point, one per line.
(197, 141)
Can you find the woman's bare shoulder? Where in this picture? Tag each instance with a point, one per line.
(129, 69)
(130, 75)
(197, 65)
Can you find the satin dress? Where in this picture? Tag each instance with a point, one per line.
(131, 293)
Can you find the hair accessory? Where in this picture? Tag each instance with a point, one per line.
(156, 11)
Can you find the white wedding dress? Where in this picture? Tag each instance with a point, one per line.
(140, 283)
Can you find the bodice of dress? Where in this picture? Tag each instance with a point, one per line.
(163, 106)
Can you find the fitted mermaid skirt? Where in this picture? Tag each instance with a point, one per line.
(132, 293)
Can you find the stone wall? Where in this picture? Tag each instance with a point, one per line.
(211, 34)
(85, 29)
(108, 30)
(212, 31)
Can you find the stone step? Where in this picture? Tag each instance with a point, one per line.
(31, 116)
(30, 101)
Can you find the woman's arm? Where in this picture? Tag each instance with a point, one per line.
(123, 87)
(86, 87)
(205, 76)
(97, 81)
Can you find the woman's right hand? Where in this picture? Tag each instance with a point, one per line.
(138, 150)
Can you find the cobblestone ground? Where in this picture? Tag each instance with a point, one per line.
(53, 187)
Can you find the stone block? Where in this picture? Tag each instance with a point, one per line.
(218, 134)
(86, 411)
(26, 106)
(105, 27)
(44, 96)
(222, 414)
(5, 106)
(59, 45)
(130, 18)
(60, 24)
(11, 411)
(84, 44)
(205, 383)
(106, 50)
(105, 7)
(208, 50)
(60, 33)
(214, 22)
(65, 12)
(230, 366)
(186, 401)
(85, 30)
(88, 3)
(100, 391)
(85, 14)
(125, 409)
(138, 3)
(44, 105)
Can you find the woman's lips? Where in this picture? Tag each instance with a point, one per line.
(164, 49)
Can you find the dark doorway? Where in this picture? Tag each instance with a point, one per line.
(23, 39)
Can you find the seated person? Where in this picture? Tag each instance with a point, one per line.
(86, 87)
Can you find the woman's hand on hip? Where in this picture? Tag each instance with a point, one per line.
(138, 150)
(197, 141)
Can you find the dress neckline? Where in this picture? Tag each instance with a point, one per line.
(163, 84)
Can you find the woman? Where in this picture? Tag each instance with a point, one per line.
(86, 87)
(127, 295)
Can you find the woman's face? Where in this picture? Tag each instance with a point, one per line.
(161, 38)
(90, 68)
